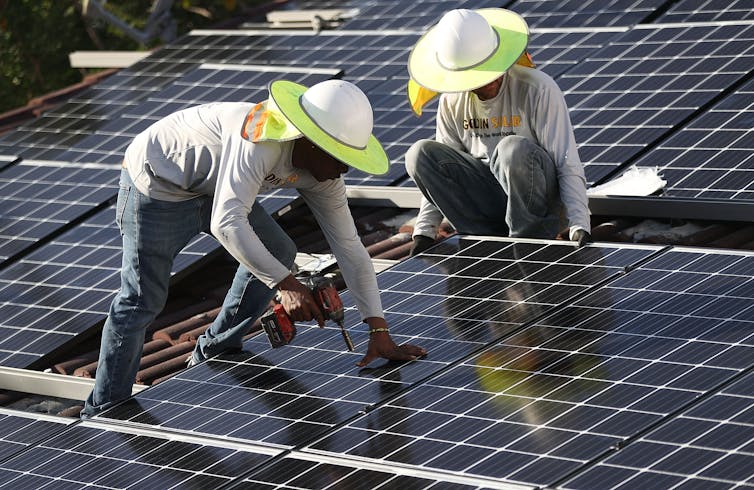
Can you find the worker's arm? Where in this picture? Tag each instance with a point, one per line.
(243, 170)
(329, 205)
(553, 129)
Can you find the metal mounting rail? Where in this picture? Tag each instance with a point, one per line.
(49, 384)
(375, 195)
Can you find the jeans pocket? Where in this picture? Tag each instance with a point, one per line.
(124, 194)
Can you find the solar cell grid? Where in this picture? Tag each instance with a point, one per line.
(83, 115)
(64, 288)
(707, 446)
(557, 50)
(108, 457)
(19, 431)
(204, 84)
(378, 15)
(637, 89)
(556, 395)
(713, 156)
(39, 198)
(286, 397)
(709, 11)
(304, 471)
(589, 13)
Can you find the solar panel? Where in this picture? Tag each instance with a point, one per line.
(60, 128)
(64, 288)
(709, 10)
(636, 90)
(713, 156)
(40, 198)
(387, 14)
(708, 446)
(108, 457)
(586, 13)
(557, 50)
(19, 431)
(558, 394)
(302, 470)
(286, 397)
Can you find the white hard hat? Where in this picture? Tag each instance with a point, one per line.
(468, 49)
(341, 110)
(463, 39)
(336, 116)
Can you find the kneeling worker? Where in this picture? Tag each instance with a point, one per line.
(504, 160)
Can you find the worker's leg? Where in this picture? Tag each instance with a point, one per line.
(461, 186)
(153, 232)
(528, 177)
(247, 297)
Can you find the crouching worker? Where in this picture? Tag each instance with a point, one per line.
(504, 160)
(201, 169)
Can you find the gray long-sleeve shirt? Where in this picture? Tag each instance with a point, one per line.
(199, 151)
(529, 104)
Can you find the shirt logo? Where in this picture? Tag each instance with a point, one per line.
(492, 122)
(274, 180)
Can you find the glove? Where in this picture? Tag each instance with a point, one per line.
(421, 243)
(582, 237)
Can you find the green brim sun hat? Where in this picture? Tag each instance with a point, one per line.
(336, 116)
(468, 49)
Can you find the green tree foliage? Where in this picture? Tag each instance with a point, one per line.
(36, 37)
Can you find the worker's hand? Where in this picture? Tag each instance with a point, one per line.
(421, 243)
(381, 345)
(582, 237)
(298, 301)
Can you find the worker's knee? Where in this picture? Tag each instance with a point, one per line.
(417, 157)
(511, 152)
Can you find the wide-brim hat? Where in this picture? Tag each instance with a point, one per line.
(426, 68)
(369, 157)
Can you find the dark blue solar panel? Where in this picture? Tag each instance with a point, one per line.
(712, 157)
(553, 397)
(636, 90)
(391, 14)
(586, 13)
(64, 288)
(708, 11)
(39, 199)
(708, 446)
(81, 116)
(210, 83)
(453, 301)
(107, 457)
(19, 431)
(309, 471)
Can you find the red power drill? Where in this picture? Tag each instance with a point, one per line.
(281, 330)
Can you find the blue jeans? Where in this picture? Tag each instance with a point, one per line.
(515, 195)
(153, 233)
